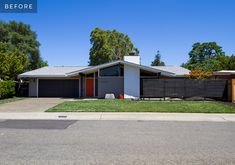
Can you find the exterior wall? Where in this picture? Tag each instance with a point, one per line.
(133, 59)
(113, 85)
(33, 87)
(82, 86)
(131, 82)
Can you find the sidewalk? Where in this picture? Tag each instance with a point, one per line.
(120, 116)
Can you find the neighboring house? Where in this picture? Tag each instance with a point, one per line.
(224, 74)
(228, 75)
(118, 77)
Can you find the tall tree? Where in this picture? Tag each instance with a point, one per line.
(157, 61)
(18, 37)
(108, 46)
(231, 63)
(12, 62)
(206, 56)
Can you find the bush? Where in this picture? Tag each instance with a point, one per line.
(7, 89)
(199, 74)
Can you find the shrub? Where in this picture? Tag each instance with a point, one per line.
(199, 74)
(7, 89)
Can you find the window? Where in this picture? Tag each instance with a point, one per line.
(116, 70)
(91, 75)
(147, 74)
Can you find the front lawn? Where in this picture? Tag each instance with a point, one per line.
(142, 106)
(3, 101)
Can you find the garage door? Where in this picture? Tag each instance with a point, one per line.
(58, 88)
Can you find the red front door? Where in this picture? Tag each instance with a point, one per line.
(89, 87)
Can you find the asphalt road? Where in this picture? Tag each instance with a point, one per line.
(116, 142)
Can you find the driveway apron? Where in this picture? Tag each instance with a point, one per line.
(30, 105)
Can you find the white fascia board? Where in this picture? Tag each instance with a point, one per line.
(94, 68)
(157, 71)
(88, 70)
(41, 76)
(219, 73)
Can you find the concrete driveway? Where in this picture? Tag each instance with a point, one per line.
(30, 105)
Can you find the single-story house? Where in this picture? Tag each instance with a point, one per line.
(224, 74)
(228, 75)
(120, 77)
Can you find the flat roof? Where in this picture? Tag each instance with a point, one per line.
(224, 72)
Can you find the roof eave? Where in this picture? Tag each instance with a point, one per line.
(87, 70)
(181, 75)
(94, 68)
(222, 73)
(41, 76)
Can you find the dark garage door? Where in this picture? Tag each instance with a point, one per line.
(59, 88)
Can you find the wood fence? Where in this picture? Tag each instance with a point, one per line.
(183, 88)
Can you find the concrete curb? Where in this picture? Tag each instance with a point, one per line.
(119, 116)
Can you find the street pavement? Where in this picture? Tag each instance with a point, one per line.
(116, 142)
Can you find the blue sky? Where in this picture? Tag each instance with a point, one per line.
(171, 26)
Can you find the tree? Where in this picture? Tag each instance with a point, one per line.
(206, 56)
(108, 46)
(12, 63)
(231, 63)
(157, 61)
(18, 37)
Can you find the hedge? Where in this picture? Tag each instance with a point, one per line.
(7, 89)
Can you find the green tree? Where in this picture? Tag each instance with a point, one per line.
(108, 46)
(12, 63)
(231, 63)
(157, 61)
(19, 38)
(206, 56)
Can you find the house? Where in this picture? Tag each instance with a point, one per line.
(224, 74)
(122, 77)
(228, 75)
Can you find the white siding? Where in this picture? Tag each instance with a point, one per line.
(33, 87)
(131, 82)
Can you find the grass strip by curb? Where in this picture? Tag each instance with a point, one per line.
(143, 106)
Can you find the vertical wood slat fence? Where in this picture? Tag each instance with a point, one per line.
(233, 90)
(183, 88)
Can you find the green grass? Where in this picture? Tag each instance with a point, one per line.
(3, 101)
(142, 106)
